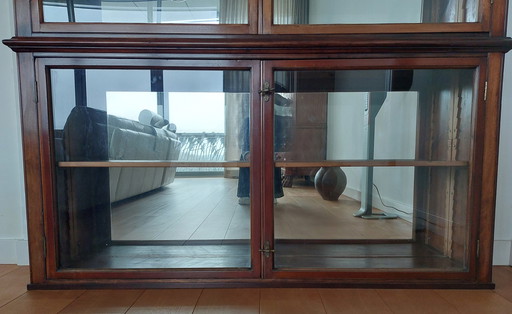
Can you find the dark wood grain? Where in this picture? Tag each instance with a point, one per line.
(263, 44)
(498, 14)
(490, 166)
(32, 167)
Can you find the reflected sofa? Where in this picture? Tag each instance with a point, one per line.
(85, 194)
(92, 135)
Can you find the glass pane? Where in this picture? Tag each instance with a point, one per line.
(374, 11)
(186, 215)
(374, 167)
(147, 11)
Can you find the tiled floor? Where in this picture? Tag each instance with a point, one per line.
(14, 298)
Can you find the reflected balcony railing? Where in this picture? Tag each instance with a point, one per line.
(201, 147)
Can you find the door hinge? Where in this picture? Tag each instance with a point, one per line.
(266, 91)
(477, 248)
(266, 249)
(485, 91)
(492, 2)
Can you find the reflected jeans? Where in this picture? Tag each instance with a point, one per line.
(244, 180)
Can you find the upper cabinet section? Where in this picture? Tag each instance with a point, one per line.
(147, 16)
(143, 11)
(266, 16)
(376, 16)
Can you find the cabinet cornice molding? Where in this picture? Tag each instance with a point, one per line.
(263, 44)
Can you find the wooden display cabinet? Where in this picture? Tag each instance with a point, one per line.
(113, 202)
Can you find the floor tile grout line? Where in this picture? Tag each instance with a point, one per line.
(383, 300)
(16, 268)
(259, 300)
(197, 301)
(436, 292)
(321, 300)
(135, 301)
(72, 301)
(12, 300)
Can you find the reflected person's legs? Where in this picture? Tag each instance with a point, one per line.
(243, 191)
(243, 182)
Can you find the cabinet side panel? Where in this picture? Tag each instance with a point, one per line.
(32, 165)
(490, 166)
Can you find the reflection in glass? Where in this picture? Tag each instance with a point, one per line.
(115, 216)
(374, 11)
(375, 168)
(147, 11)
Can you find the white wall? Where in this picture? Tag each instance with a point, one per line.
(503, 227)
(395, 129)
(12, 206)
(13, 234)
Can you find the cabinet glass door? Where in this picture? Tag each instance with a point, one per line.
(147, 11)
(148, 168)
(155, 16)
(338, 15)
(374, 11)
(372, 167)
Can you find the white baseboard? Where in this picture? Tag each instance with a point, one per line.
(14, 251)
(502, 254)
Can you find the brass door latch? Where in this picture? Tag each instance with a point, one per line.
(266, 91)
(266, 249)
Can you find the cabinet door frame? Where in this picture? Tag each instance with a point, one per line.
(40, 167)
(486, 10)
(39, 26)
(260, 21)
(475, 167)
(49, 253)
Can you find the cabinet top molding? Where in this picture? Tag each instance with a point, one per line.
(265, 44)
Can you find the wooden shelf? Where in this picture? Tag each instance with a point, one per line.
(284, 164)
(373, 163)
(149, 163)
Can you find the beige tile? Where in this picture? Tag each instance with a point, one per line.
(353, 301)
(224, 301)
(477, 301)
(166, 301)
(4, 269)
(415, 301)
(104, 301)
(13, 284)
(297, 301)
(37, 302)
(502, 277)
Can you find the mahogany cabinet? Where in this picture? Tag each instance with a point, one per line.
(156, 134)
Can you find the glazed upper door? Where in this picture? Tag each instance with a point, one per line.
(146, 16)
(378, 163)
(375, 16)
(150, 168)
(263, 16)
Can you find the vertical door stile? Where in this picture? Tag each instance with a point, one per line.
(256, 160)
(267, 134)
